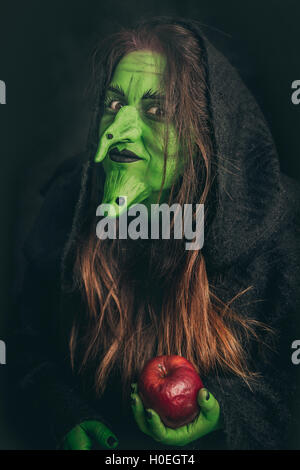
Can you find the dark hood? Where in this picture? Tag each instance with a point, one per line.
(250, 196)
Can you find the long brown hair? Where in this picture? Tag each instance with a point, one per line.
(147, 298)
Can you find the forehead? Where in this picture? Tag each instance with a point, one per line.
(140, 68)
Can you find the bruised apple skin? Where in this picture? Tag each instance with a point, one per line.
(169, 385)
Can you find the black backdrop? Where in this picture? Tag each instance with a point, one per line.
(43, 61)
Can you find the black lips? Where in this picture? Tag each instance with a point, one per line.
(125, 156)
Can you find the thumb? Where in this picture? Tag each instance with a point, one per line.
(100, 433)
(208, 404)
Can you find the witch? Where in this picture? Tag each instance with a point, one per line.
(172, 123)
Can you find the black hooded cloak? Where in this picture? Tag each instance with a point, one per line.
(252, 240)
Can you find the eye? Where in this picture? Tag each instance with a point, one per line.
(156, 111)
(114, 105)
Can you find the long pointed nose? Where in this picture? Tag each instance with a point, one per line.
(125, 128)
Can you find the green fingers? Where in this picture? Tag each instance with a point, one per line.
(100, 433)
(77, 439)
(148, 420)
(138, 410)
(150, 423)
(89, 434)
(209, 405)
(155, 426)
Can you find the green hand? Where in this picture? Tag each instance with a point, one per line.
(150, 423)
(88, 435)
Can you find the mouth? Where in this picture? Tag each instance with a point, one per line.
(125, 156)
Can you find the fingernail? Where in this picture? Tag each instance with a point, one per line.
(133, 400)
(207, 395)
(111, 441)
(148, 414)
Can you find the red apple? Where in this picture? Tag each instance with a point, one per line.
(169, 385)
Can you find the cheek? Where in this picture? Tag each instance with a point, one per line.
(154, 144)
(154, 141)
(155, 173)
(105, 123)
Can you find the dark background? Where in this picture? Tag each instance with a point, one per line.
(43, 60)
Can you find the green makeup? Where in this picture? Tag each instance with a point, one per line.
(132, 134)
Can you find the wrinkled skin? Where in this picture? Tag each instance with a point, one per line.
(134, 116)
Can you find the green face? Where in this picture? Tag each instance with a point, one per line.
(132, 133)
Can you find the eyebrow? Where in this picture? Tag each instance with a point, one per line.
(117, 90)
(148, 95)
(153, 95)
